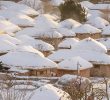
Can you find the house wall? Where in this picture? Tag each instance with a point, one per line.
(86, 35)
(53, 41)
(41, 72)
(100, 70)
(84, 73)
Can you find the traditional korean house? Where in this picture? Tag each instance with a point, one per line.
(76, 66)
(86, 30)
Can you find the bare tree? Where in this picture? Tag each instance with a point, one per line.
(12, 89)
(81, 91)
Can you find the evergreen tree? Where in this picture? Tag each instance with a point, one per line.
(3, 68)
(72, 9)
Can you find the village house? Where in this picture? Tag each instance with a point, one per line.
(98, 22)
(38, 44)
(27, 58)
(66, 33)
(6, 46)
(100, 61)
(8, 27)
(86, 30)
(20, 8)
(75, 66)
(68, 43)
(90, 50)
(106, 42)
(106, 32)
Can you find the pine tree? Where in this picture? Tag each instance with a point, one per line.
(72, 9)
(1, 66)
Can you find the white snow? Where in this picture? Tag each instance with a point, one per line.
(36, 4)
(86, 4)
(105, 41)
(92, 56)
(69, 24)
(56, 2)
(22, 20)
(65, 79)
(68, 43)
(37, 44)
(86, 28)
(106, 30)
(6, 46)
(7, 14)
(28, 49)
(94, 13)
(7, 26)
(37, 33)
(66, 32)
(90, 44)
(26, 60)
(49, 92)
(74, 63)
(100, 6)
(18, 8)
(98, 22)
(10, 39)
(45, 22)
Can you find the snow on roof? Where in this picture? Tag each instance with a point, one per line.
(92, 56)
(106, 30)
(2, 18)
(86, 4)
(10, 39)
(56, 2)
(69, 23)
(18, 70)
(26, 60)
(36, 4)
(28, 48)
(34, 32)
(52, 17)
(45, 22)
(94, 13)
(49, 92)
(6, 46)
(18, 7)
(7, 14)
(98, 22)
(105, 41)
(100, 6)
(68, 43)
(8, 26)
(66, 32)
(90, 44)
(2, 32)
(38, 44)
(22, 20)
(73, 63)
(86, 28)
(65, 79)
(31, 31)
